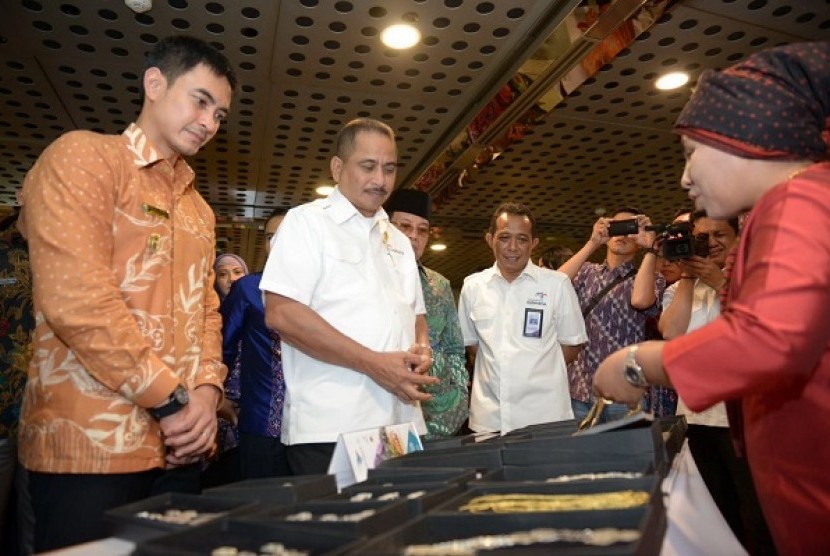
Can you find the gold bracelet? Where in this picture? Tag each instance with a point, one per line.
(526, 503)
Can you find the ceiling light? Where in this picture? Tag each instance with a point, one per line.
(324, 190)
(400, 36)
(139, 6)
(438, 246)
(672, 80)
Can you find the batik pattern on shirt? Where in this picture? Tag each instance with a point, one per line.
(613, 324)
(449, 406)
(122, 248)
(16, 324)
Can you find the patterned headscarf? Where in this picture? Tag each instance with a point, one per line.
(773, 105)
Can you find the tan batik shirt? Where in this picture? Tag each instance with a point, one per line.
(122, 249)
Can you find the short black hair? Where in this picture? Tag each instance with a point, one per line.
(277, 211)
(513, 208)
(631, 210)
(733, 222)
(681, 211)
(345, 143)
(178, 54)
(555, 257)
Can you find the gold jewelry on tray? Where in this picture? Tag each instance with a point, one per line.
(522, 502)
(595, 476)
(470, 546)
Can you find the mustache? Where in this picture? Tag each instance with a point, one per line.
(381, 190)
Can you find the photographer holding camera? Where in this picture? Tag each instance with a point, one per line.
(697, 272)
(616, 299)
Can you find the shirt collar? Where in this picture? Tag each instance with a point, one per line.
(530, 270)
(145, 153)
(341, 209)
(621, 270)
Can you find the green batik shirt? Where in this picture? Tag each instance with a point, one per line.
(17, 320)
(450, 403)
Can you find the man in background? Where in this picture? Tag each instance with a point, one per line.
(410, 211)
(555, 257)
(523, 325)
(18, 322)
(616, 299)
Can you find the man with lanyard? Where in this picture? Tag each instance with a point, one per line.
(522, 324)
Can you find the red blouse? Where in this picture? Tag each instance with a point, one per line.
(771, 350)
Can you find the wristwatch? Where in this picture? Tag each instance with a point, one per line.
(633, 373)
(177, 400)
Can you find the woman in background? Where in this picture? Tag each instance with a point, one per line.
(225, 467)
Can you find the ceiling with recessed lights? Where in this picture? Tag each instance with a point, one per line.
(547, 103)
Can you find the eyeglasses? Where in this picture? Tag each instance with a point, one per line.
(408, 228)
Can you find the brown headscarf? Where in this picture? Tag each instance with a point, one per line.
(774, 104)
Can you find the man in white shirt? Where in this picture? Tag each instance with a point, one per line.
(342, 288)
(523, 324)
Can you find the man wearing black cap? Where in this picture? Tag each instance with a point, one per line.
(410, 211)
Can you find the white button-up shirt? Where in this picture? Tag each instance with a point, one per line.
(520, 375)
(360, 275)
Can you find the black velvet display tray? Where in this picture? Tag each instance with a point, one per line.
(572, 467)
(649, 484)
(438, 527)
(553, 429)
(479, 457)
(126, 525)
(640, 441)
(247, 536)
(387, 516)
(398, 475)
(435, 493)
(674, 434)
(277, 490)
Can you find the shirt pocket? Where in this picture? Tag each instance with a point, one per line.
(344, 254)
(484, 321)
(482, 314)
(345, 265)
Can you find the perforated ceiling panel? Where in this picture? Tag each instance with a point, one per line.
(609, 144)
(308, 66)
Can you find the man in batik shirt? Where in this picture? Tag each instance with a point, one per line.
(17, 320)
(127, 371)
(410, 211)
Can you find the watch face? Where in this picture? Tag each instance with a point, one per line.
(180, 395)
(634, 377)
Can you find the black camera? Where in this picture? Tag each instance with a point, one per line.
(679, 242)
(623, 227)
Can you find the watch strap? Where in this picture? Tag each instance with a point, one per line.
(172, 406)
(632, 372)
